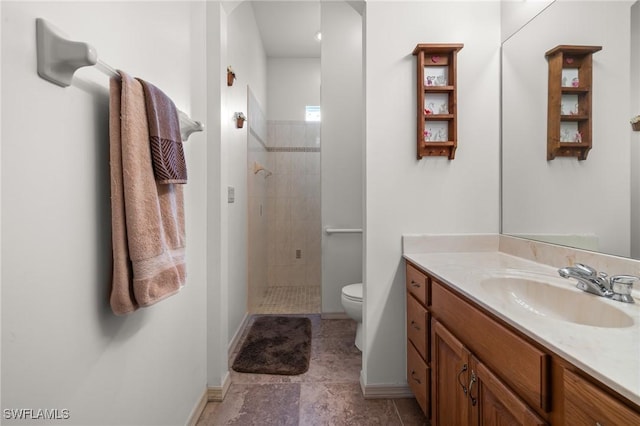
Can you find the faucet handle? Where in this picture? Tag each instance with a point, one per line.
(621, 285)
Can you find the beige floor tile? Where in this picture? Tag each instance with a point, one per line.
(327, 394)
(409, 412)
(260, 405)
(343, 404)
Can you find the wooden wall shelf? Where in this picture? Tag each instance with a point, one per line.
(437, 99)
(569, 101)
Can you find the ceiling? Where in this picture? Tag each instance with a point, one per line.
(288, 28)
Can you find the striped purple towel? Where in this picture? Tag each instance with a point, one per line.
(167, 153)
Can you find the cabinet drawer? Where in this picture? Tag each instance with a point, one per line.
(418, 377)
(586, 404)
(522, 366)
(417, 284)
(417, 320)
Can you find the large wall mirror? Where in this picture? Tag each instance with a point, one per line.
(592, 204)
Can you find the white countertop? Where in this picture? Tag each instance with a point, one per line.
(611, 355)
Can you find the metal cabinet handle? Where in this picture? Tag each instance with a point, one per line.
(415, 284)
(464, 388)
(414, 325)
(473, 380)
(413, 372)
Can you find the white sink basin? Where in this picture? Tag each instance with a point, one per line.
(562, 303)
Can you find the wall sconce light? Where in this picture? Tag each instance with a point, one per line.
(240, 119)
(231, 76)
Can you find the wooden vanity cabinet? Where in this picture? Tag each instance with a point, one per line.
(494, 403)
(524, 367)
(418, 337)
(450, 402)
(466, 392)
(468, 367)
(586, 404)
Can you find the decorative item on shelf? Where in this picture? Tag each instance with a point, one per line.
(578, 137)
(240, 119)
(635, 123)
(430, 109)
(231, 76)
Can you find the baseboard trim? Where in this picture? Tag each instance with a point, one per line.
(385, 391)
(198, 409)
(334, 315)
(218, 393)
(238, 334)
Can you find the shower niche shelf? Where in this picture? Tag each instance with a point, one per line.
(569, 101)
(436, 95)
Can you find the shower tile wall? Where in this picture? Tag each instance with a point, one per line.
(293, 204)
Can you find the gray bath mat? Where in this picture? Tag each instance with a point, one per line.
(276, 345)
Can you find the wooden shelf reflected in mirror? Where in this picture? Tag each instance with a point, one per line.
(569, 101)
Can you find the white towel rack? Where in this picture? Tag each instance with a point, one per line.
(343, 230)
(59, 58)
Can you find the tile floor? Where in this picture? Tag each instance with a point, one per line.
(328, 394)
(290, 300)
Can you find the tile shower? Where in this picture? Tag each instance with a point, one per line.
(284, 215)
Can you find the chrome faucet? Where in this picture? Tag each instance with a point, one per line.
(589, 279)
(617, 287)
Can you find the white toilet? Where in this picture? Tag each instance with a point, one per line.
(352, 304)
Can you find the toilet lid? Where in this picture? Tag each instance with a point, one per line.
(353, 291)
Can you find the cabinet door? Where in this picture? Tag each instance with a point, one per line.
(586, 404)
(493, 403)
(450, 369)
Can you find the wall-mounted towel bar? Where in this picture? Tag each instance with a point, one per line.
(343, 230)
(59, 58)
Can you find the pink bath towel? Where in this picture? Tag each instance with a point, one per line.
(148, 232)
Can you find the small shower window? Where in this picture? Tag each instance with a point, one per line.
(312, 113)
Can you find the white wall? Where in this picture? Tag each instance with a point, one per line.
(567, 196)
(62, 348)
(342, 150)
(215, 228)
(292, 84)
(432, 195)
(246, 56)
(515, 14)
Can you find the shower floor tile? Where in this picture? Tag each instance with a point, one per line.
(290, 300)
